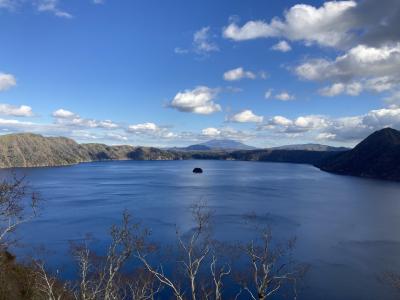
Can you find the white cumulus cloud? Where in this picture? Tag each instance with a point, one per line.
(63, 114)
(360, 68)
(200, 100)
(326, 25)
(246, 116)
(280, 121)
(211, 132)
(360, 61)
(144, 127)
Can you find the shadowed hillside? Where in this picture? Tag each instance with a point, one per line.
(378, 156)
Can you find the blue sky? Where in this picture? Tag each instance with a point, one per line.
(169, 73)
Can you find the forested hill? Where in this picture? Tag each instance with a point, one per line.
(377, 156)
(33, 150)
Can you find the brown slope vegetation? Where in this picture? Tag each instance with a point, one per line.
(104, 152)
(32, 150)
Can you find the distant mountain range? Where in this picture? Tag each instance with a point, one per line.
(32, 150)
(219, 145)
(378, 156)
(232, 145)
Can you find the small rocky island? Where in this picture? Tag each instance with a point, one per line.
(197, 170)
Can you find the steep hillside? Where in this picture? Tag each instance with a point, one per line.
(105, 152)
(32, 150)
(378, 156)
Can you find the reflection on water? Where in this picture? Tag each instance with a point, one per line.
(347, 228)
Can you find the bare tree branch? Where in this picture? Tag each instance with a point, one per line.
(17, 206)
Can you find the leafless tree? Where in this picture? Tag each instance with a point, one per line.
(143, 286)
(101, 277)
(49, 286)
(194, 248)
(218, 276)
(17, 205)
(270, 267)
(126, 271)
(119, 251)
(91, 274)
(197, 246)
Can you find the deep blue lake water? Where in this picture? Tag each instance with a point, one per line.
(347, 229)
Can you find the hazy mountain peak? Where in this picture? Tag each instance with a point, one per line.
(223, 144)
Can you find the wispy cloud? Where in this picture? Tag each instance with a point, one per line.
(16, 111)
(282, 46)
(52, 6)
(68, 118)
(284, 96)
(7, 81)
(8, 4)
(203, 43)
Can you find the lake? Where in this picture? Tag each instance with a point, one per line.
(347, 229)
